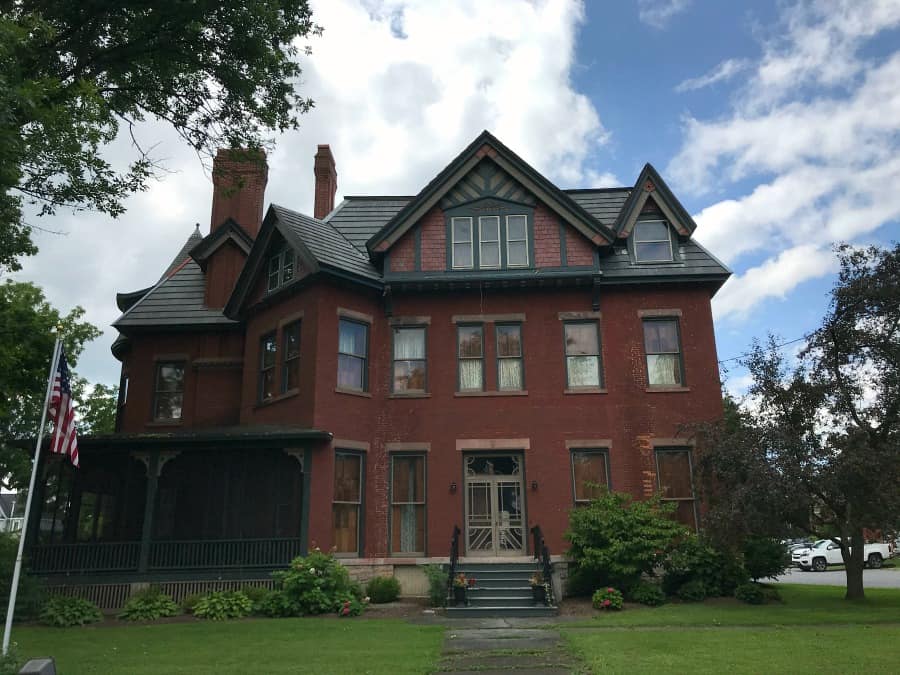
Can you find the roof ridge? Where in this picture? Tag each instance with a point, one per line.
(328, 224)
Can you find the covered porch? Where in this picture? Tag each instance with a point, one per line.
(155, 506)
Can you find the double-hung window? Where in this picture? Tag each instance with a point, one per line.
(268, 351)
(489, 242)
(408, 504)
(510, 369)
(663, 347)
(673, 475)
(470, 352)
(347, 504)
(281, 268)
(652, 241)
(583, 367)
(290, 374)
(409, 360)
(353, 355)
(516, 241)
(168, 399)
(590, 474)
(463, 256)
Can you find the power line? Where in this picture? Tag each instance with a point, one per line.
(778, 346)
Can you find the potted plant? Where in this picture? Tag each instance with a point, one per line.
(460, 584)
(538, 588)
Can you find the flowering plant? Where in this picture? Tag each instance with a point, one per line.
(608, 599)
(461, 581)
(537, 579)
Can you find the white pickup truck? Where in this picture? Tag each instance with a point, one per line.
(826, 552)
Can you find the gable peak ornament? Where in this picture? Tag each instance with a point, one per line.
(649, 186)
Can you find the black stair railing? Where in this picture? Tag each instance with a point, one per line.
(542, 555)
(454, 558)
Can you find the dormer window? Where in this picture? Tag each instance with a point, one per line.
(652, 241)
(281, 268)
(489, 242)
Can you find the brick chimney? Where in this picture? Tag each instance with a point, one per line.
(239, 188)
(326, 181)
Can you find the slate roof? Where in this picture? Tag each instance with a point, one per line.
(692, 261)
(604, 204)
(359, 218)
(327, 244)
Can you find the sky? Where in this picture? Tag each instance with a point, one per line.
(776, 123)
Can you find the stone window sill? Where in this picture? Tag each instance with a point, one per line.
(586, 390)
(165, 423)
(666, 390)
(290, 393)
(467, 394)
(418, 394)
(352, 392)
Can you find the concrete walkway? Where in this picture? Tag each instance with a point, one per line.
(502, 646)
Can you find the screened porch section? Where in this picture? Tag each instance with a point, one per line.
(168, 511)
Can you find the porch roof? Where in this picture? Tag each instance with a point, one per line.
(269, 436)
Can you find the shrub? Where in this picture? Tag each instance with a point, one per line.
(255, 593)
(693, 591)
(608, 599)
(647, 593)
(383, 589)
(317, 584)
(615, 539)
(765, 558)
(349, 605)
(276, 604)
(750, 593)
(771, 593)
(30, 597)
(148, 605)
(437, 584)
(719, 572)
(9, 664)
(189, 602)
(221, 605)
(63, 612)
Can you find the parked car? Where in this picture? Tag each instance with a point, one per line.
(826, 552)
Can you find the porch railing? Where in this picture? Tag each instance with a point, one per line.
(454, 558)
(164, 555)
(542, 555)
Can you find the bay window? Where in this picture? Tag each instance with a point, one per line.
(353, 355)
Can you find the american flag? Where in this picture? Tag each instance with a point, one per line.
(62, 412)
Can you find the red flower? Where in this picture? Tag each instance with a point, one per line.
(606, 603)
(471, 581)
(609, 590)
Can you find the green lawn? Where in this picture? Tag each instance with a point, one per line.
(802, 605)
(252, 646)
(814, 630)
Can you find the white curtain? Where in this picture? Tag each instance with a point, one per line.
(409, 345)
(470, 374)
(663, 369)
(510, 374)
(584, 371)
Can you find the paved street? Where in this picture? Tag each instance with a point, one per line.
(883, 578)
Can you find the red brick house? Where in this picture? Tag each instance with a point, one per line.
(367, 378)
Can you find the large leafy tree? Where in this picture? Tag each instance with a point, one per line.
(74, 75)
(817, 448)
(27, 322)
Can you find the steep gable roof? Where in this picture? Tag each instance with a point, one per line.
(230, 230)
(488, 146)
(650, 185)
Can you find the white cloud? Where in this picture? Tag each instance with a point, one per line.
(724, 71)
(400, 89)
(772, 279)
(657, 13)
(816, 131)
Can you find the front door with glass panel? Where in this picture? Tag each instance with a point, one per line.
(495, 514)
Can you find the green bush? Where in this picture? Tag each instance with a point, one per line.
(221, 605)
(647, 593)
(349, 605)
(276, 604)
(719, 572)
(693, 591)
(255, 593)
(317, 584)
(148, 605)
(10, 664)
(437, 584)
(30, 597)
(750, 593)
(615, 540)
(63, 612)
(771, 593)
(607, 599)
(383, 589)
(190, 602)
(765, 558)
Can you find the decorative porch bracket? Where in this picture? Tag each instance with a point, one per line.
(154, 460)
(297, 453)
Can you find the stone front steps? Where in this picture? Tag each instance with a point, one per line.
(501, 589)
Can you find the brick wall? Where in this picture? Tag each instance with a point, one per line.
(546, 238)
(434, 241)
(403, 253)
(579, 251)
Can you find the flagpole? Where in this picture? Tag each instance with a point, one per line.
(14, 589)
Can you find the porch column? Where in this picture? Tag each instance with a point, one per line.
(152, 462)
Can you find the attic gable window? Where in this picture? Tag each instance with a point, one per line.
(652, 241)
(461, 229)
(489, 242)
(281, 269)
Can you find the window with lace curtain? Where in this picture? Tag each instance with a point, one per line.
(662, 344)
(408, 504)
(583, 367)
(410, 361)
(510, 365)
(470, 353)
